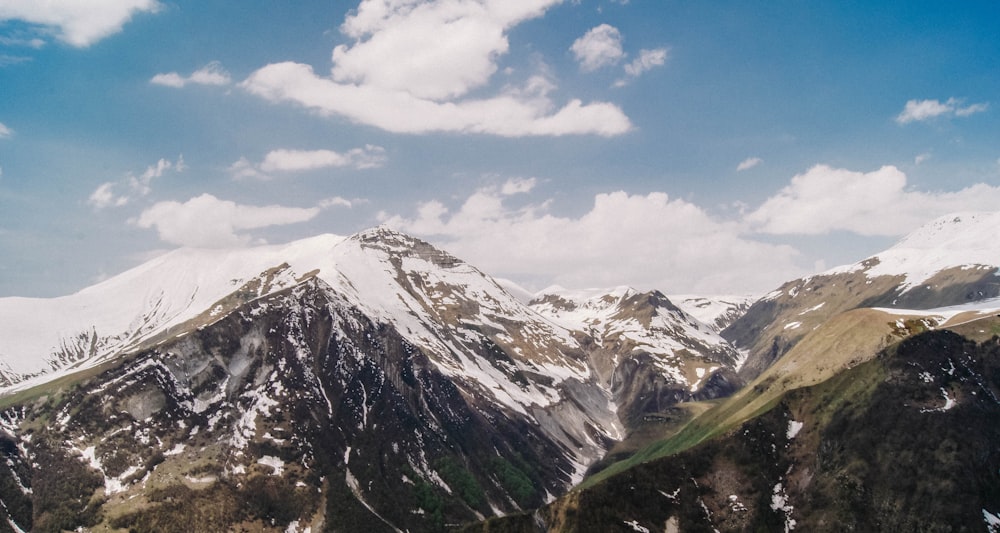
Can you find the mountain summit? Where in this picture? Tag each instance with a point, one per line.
(349, 380)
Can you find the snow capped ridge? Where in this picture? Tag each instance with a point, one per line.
(42, 338)
(645, 332)
(966, 239)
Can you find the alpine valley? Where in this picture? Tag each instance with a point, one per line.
(376, 383)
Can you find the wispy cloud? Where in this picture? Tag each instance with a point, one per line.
(5, 132)
(77, 23)
(286, 160)
(413, 64)
(748, 163)
(647, 60)
(211, 74)
(132, 185)
(601, 46)
(208, 222)
(922, 110)
(22, 41)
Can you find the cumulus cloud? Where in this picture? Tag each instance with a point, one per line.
(877, 203)
(601, 46)
(211, 74)
(76, 23)
(413, 63)
(5, 132)
(134, 185)
(651, 241)
(748, 163)
(922, 110)
(286, 160)
(208, 222)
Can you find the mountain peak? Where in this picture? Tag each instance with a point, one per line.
(397, 243)
(956, 231)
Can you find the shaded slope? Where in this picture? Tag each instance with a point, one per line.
(907, 441)
(293, 411)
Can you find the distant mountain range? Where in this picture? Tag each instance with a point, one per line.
(376, 382)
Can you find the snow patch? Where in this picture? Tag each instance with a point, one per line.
(793, 429)
(634, 524)
(992, 522)
(779, 502)
(275, 463)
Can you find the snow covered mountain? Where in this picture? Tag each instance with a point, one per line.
(718, 312)
(950, 261)
(651, 353)
(339, 365)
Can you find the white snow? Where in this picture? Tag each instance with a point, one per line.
(793, 429)
(176, 450)
(634, 524)
(602, 314)
(779, 502)
(274, 462)
(992, 522)
(949, 402)
(709, 308)
(965, 240)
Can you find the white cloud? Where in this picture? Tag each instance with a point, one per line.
(650, 241)
(77, 23)
(244, 169)
(211, 74)
(104, 196)
(141, 185)
(5, 132)
(647, 60)
(826, 199)
(518, 186)
(208, 222)
(921, 110)
(286, 160)
(601, 46)
(335, 201)
(413, 64)
(23, 41)
(400, 112)
(921, 158)
(296, 160)
(748, 163)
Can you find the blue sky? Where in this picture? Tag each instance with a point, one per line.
(685, 146)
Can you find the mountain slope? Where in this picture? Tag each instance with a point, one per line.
(906, 441)
(651, 353)
(351, 381)
(297, 404)
(950, 261)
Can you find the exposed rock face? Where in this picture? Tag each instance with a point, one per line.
(904, 442)
(303, 406)
(650, 352)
